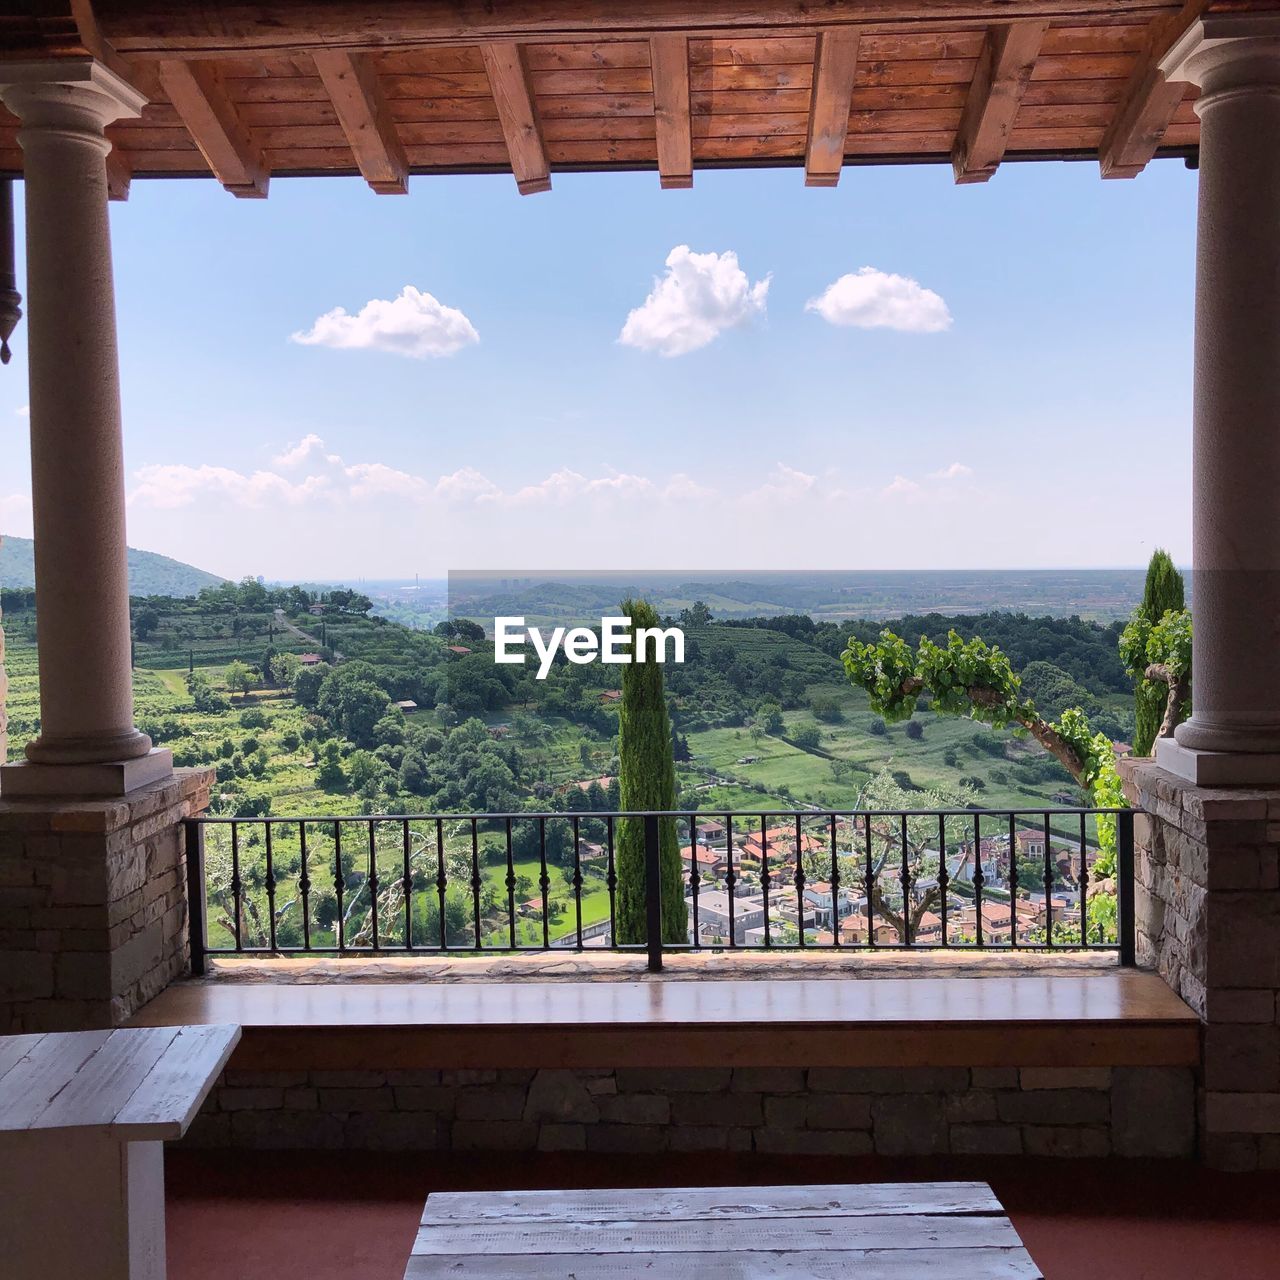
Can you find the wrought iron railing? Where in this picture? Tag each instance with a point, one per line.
(478, 884)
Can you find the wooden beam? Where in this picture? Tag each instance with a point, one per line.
(352, 85)
(513, 95)
(834, 68)
(159, 28)
(196, 91)
(119, 175)
(669, 59)
(1149, 99)
(1004, 70)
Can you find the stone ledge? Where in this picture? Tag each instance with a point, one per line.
(103, 815)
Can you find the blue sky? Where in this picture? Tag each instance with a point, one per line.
(1044, 421)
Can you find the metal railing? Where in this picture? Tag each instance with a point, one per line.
(479, 884)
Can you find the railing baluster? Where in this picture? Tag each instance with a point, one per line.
(477, 882)
(653, 892)
(1084, 886)
(304, 885)
(611, 882)
(339, 887)
(1048, 886)
(544, 883)
(197, 939)
(836, 922)
(577, 875)
(373, 883)
(944, 883)
(799, 877)
(1013, 881)
(442, 885)
(871, 884)
(978, 878)
(271, 888)
(764, 875)
(731, 878)
(1126, 906)
(905, 875)
(237, 888)
(511, 888)
(695, 877)
(406, 872)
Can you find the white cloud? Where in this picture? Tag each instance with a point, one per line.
(956, 471)
(872, 299)
(323, 477)
(701, 296)
(901, 487)
(15, 514)
(296, 454)
(23, 411)
(414, 324)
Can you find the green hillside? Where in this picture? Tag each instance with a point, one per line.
(149, 574)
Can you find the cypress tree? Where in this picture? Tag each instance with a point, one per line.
(646, 781)
(1163, 591)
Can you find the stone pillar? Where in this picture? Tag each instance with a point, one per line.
(1207, 865)
(93, 903)
(1233, 737)
(88, 743)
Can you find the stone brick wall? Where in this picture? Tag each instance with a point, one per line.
(1207, 864)
(93, 916)
(1122, 1111)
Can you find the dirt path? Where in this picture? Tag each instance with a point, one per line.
(288, 626)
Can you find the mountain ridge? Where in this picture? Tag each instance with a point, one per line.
(150, 574)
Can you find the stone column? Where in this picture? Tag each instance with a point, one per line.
(1233, 737)
(88, 743)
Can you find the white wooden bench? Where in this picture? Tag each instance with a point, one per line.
(83, 1119)
(881, 1231)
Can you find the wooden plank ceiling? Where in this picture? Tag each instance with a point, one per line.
(247, 92)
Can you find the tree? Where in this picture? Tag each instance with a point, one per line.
(808, 738)
(915, 730)
(461, 631)
(769, 718)
(330, 774)
(285, 668)
(1163, 592)
(239, 678)
(1162, 655)
(647, 781)
(970, 677)
(145, 622)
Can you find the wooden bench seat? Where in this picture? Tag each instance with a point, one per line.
(1122, 1018)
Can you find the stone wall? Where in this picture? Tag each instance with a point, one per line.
(1122, 1111)
(93, 915)
(1207, 865)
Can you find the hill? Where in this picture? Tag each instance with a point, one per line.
(149, 574)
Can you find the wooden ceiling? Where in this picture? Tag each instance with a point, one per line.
(386, 88)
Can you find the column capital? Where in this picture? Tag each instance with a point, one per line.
(1226, 52)
(67, 92)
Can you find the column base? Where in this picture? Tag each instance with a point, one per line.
(108, 778)
(1218, 768)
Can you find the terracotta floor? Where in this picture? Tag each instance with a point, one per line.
(272, 1216)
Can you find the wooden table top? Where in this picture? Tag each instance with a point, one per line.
(135, 1083)
(881, 1231)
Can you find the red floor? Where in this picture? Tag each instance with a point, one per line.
(332, 1216)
